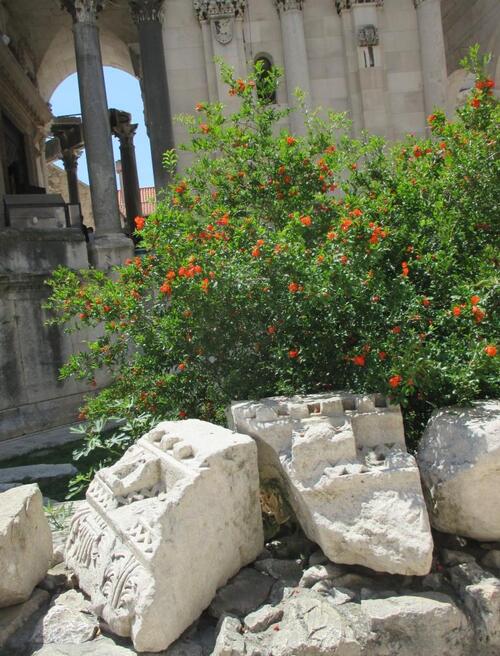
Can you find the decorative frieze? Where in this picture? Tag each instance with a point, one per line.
(83, 11)
(218, 9)
(348, 4)
(145, 11)
(287, 5)
(368, 36)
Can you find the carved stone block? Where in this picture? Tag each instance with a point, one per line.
(342, 462)
(165, 527)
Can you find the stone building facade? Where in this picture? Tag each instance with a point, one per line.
(386, 62)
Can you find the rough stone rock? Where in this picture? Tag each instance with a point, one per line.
(100, 647)
(309, 626)
(289, 571)
(261, 619)
(459, 459)
(163, 530)
(491, 560)
(58, 577)
(480, 593)
(428, 623)
(69, 621)
(317, 558)
(25, 543)
(244, 593)
(318, 573)
(343, 465)
(14, 617)
(450, 557)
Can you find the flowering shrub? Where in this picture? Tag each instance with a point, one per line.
(280, 264)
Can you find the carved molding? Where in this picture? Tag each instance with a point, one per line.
(146, 11)
(83, 11)
(222, 9)
(342, 5)
(287, 5)
(368, 36)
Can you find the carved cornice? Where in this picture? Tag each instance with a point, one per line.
(83, 11)
(146, 11)
(19, 95)
(342, 5)
(287, 5)
(207, 9)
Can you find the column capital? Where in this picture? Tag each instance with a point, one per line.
(208, 9)
(288, 5)
(146, 11)
(125, 132)
(83, 11)
(417, 3)
(69, 158)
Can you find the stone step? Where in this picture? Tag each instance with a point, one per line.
(14, 476)
(39, 441)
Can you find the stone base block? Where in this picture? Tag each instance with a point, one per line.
(110, 250)
(342, 462)
(165, 527)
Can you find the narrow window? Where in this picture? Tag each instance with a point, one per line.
(265, 92)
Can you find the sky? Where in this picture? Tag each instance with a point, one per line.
(123, 93)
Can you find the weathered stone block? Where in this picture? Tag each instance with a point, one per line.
(342, 462)
(165, 527)
(25, 543)
(459, 459)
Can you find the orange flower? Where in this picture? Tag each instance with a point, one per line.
(431, 118)
(417, 151)
(291, 140)
(475, 102)
(293, 287)
(330, 149)
(182, 414)
(181, 366)
(405, 269)
(200, 107)
(331, 235)
(382, 355)
(271, 330)
(224, 220)
(139, 222)
(170, 275)
(293, 353)
(490, 350)
(474, 300)
(346, 224)
(306, 220)
(205, 128)
(359, 360)
(259, 242)
(344, 259)
(256, 252)
(204, 285)
(106, 308)
(320, 259)
(396, 330)
(425, 302)
(395, 381)
(357, 212)
(478, 313)
(457, 310)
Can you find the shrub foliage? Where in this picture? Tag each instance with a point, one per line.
(279, 264)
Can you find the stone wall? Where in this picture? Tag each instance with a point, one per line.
(58, 184)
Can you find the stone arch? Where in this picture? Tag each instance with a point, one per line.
(268, 63)
(59, 62)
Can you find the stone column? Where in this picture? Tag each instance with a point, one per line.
(432, 53)
(125, 132)
(70, 161)
(147, 17)
(222, 29)
(351, 68)
(295, 56)
(110, 245)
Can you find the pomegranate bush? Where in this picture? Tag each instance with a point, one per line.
(279, 264)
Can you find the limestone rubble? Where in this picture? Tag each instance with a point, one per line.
(459, 460)
(25, 543)
(165, 527)
(343, 464)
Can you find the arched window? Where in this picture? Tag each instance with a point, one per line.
(264, 92)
